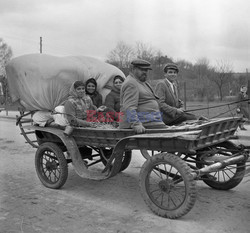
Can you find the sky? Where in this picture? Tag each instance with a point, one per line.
(218, 30)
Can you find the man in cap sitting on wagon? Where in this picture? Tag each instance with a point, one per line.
(139, 103)
(170, 104)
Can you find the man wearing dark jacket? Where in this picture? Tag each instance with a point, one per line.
(139, 104)
(170, 104)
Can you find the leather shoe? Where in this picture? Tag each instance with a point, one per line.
(202, 118)
(242, 128)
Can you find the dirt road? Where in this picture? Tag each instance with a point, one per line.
(113, 205)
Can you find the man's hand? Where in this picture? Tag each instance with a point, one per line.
(101, 108)
(181, 103)
(83, 123)
(93, 124)
(139, 129)
(179, 111)
(238, 110)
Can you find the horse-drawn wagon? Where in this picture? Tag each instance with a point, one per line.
(175, 159)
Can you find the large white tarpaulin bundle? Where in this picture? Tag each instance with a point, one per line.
(42, 82)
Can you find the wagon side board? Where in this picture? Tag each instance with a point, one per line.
(184, 140)
(157, 141)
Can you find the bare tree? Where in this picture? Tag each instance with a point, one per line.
(183, 64)
(5, 56)
(121, 55)
(159, 60)
(145, 51)
(202, 72)
(222, 75)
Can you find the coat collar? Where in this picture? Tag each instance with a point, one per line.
(167, 82)
(149, 88)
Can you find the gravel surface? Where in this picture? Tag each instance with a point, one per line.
(113, 205)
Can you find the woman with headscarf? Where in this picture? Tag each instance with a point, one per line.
(112, 100)
(77, 105)
(91, 90)
(242, 107)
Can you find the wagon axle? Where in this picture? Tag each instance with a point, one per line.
(222, 164)
(165, 185)
(51, 165)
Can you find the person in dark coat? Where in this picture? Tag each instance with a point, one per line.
(242, 107)
(170, 104)
(91, 91)
(139, 104)
(112, 101)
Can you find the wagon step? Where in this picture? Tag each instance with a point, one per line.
(25, 130)
(28, 132)
(35, 141)
(26, 121)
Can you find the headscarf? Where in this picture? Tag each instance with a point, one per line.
(91, 80)
(96, 97)
(78, 84)
(82, 104)
(118, 77)
(115, 78)
(72, 90)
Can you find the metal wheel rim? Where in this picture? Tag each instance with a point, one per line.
(50, 167)
(174, 195)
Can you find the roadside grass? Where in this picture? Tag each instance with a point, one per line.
(212, 109)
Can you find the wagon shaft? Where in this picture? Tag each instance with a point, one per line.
(222, 164)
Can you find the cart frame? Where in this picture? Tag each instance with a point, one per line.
(187, 149)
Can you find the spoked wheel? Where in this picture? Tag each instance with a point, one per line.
(167, 185)
(226, 178)
(127, 156)
(51, 165)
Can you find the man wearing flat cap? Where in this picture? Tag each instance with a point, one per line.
(170, 104)
(139, 103)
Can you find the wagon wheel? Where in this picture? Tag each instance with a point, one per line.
(167, 185)
(226, 178)
(51, 165)
(127, 156)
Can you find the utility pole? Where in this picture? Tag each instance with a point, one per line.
(185, 96)
(248, 83)
(248, 89)
(41, 45)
